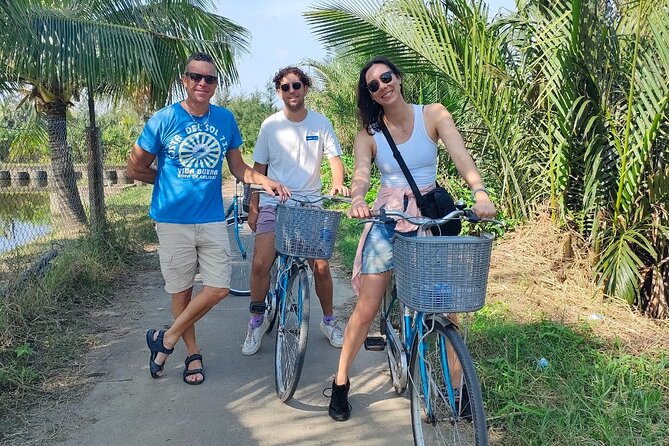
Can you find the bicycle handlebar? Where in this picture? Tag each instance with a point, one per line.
(384, 215)
(304, 200)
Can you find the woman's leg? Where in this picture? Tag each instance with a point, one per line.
(372, 289)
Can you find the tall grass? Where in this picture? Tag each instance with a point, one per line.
(588, 394)
(43, 321)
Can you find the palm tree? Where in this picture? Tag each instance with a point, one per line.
(454, 42)
(571, 98)
(118, 48)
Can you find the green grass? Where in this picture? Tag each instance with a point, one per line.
(347, 243)
(587, 395)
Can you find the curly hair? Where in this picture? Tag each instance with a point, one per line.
(306, 80)
(369, 111)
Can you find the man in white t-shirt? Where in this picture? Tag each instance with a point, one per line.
(290, 149)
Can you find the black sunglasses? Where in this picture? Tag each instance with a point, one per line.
(374, 85)
(296, 86)
(197, 77)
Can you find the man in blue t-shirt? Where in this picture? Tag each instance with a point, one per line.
(188, 141)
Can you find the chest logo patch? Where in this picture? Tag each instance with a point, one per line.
(200, 150)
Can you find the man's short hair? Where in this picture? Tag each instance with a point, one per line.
(201, 57)
(306, 80)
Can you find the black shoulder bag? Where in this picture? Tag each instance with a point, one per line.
(434, 204)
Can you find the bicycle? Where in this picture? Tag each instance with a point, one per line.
(236, 218)
(302, 232)
(434, 276)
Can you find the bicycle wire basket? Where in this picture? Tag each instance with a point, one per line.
(442, 274)
(308, 232)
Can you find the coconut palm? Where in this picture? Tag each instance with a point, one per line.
(119, 48)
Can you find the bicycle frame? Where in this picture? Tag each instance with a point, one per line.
(414, 328)
(285, 267)
(233, 210)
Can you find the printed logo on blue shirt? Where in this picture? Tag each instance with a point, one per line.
(312, 137)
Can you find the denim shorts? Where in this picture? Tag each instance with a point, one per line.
(377, 252)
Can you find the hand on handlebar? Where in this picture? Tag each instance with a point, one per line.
(360, 209)
(274, 188)
(484, 209)
(340, 189)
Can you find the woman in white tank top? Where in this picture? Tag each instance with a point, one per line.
(415, 130)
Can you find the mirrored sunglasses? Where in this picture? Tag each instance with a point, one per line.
(374, 85)
(197, 77)
(295, 85)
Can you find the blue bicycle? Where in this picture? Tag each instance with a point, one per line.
(302, 232)
(434, 278)
(241, 240)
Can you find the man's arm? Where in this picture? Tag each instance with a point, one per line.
(139, 165)
(243, 172)
(337, 168)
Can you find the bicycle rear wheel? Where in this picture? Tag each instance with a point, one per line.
(439, 415)
(393, 319)
(241, 251)
(291, 334)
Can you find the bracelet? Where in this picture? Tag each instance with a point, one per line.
(481, 189)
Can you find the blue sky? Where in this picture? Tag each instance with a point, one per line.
(280, 37)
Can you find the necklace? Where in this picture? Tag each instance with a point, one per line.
(403, 122)
(206, 122)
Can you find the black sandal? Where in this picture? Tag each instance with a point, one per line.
(156, 347)
(187, 372)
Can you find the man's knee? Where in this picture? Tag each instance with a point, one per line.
(262, 263)
(216, 294)
(321, 270)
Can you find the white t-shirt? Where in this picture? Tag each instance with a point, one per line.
(293, 151)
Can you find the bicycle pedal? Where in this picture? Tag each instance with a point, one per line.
(375, 343)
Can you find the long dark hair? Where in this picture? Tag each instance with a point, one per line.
(369, 111)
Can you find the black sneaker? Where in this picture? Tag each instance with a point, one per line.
(340, 409)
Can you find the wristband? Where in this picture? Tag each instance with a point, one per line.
(480, 189)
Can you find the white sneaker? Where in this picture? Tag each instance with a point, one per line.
(254, 337)
(333, 333)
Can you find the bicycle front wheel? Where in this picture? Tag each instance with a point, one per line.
(241, 249)
(291, 334)
(272, 297)
(446, 402)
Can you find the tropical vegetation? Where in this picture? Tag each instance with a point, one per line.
(564, 102)
(53, 51)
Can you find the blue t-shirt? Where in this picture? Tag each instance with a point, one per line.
(189, 155)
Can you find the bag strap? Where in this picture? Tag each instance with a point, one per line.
(398, 157)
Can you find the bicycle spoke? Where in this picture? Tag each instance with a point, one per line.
(291, 340)
(442, 411)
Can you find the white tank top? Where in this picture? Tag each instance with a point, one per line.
(419, 153)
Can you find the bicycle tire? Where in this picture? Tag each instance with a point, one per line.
(396, 315)
(463, 423)
(272, 298)
(291, 334)
(240, 268)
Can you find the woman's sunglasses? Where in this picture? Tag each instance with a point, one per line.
(374, 85)
(295, 85)
(197, 77)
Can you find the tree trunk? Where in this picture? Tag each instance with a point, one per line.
(65, 183)
(96, 192)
